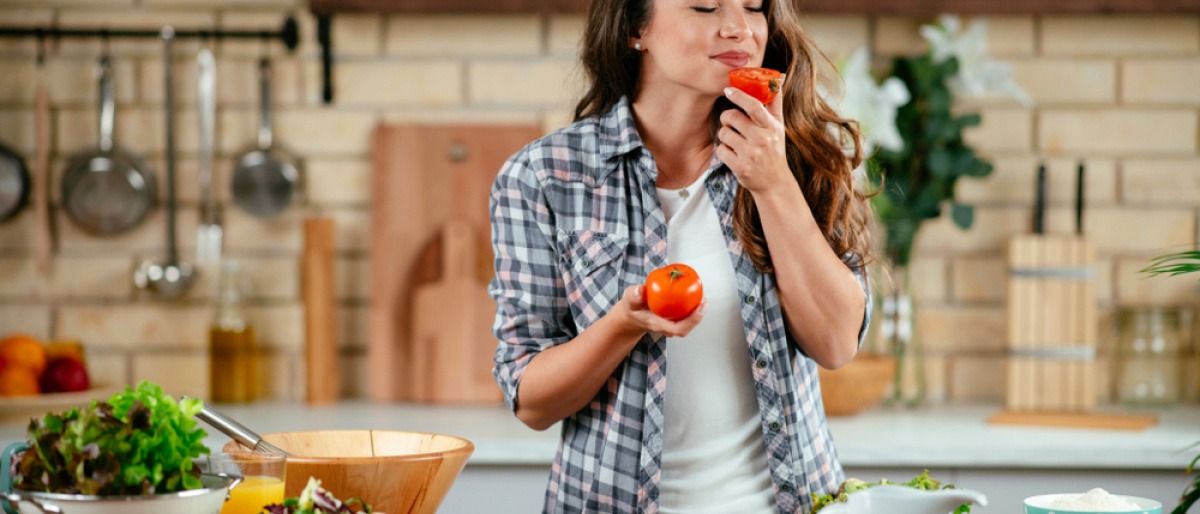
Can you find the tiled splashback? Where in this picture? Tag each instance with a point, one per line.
(1120, 92)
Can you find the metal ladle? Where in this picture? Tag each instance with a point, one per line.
(173, 278)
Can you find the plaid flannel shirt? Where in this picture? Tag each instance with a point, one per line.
(575, 220)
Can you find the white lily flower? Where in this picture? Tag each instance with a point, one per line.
(873, 106)
(977, 74)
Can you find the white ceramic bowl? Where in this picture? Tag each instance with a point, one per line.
(898, 499)
(1040, 505)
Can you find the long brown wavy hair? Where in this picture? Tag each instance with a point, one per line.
(823, 148)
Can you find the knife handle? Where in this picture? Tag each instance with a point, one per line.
(1039, 203)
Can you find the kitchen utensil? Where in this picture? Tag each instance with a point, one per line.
(1040, 505)
(896, 499)
(206, 500)
(1039, 201)
(394, 471)
(236, 431)
(108, 189)
(171, 278)
(14, 183)
(422, 177)
(320, 307)
(452, 348)
(266, 177)
(209, 234)
(43, 239)
(1079, 174)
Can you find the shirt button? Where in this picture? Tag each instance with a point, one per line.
(751, 299)
(774, 426)
(585, 262)
(762, 363)
(787, 488)
(718, 187)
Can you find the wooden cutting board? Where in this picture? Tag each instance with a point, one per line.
(452, 342)
(423, 177)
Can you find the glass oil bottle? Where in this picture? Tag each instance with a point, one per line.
(233, 352)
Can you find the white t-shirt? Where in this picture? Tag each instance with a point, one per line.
(714, 459)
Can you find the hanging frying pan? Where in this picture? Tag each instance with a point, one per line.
(266, 177)
(14, 183)
(107, 190)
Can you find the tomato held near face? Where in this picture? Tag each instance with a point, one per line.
(673, 291)
(761, 83)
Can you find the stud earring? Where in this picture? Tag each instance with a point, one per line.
(638, 46)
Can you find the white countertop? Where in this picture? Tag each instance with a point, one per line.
(948, 436)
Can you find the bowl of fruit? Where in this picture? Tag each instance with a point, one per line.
(37, 377)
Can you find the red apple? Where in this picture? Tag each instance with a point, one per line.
(65, 375)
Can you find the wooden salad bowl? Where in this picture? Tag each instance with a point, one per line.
(396, 472)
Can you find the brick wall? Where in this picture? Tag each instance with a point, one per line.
(1120, 92)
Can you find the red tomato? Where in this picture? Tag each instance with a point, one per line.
(673, 291)
(761, 83)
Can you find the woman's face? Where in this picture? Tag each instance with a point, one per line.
(692, 44)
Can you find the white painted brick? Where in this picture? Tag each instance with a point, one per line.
(459, 115)
(245, 232)
(1116, 230)
(108, 370)
(91, 277)
(1118, 131)
(1010, 36)
(977, 378)
(980, 279)
(927, 276)
(992, 228)
(1013, 177)
(417, 83)
(177, 373)
(1120, 35)
(352, 332)
(1159, 81)
(961, 328)
(139, 326)
(838, 36)
(464, 35)
(357, 34)
(17, 132)
(282, 376)
(148, 237)
(353, 229)
(237, 83)
(227, 4)
(26, 317)
(1168, 181)
(538, 83)
(354, 278)
(565, 37)
(899, 36)
(1053, 81)
(1002, 130)
(345, 182)
(137, 17)
(317, 132)
(353, 376)
(278, 327)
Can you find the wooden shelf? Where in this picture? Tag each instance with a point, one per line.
(865, 7)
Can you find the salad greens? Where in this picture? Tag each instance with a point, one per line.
(316, 500)
(853, 485)
(137, 442)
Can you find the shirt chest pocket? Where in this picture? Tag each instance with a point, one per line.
(591, 269)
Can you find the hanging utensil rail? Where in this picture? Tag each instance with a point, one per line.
(289, 34)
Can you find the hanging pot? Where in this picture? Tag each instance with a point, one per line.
(14, 183)
(266, 177)
(108, 189)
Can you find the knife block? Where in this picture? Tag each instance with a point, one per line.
(1052, 329)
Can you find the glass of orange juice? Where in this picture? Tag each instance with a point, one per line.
(263, 476)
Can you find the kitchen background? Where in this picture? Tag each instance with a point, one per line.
(1120, 92)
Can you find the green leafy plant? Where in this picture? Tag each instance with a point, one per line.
(139, 441)
(853, 485)
(1174, 264)
(918, 179)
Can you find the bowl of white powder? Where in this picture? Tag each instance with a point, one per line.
(1092, 502)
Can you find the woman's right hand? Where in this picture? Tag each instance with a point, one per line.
(639, 317)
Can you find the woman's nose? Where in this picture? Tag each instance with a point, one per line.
(735, 24)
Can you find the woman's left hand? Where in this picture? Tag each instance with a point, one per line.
(752, 142)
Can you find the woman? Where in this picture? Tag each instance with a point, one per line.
(721, 411)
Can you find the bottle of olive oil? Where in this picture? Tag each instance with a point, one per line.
(233, 353)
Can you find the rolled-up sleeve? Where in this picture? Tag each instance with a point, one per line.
(532, 313)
